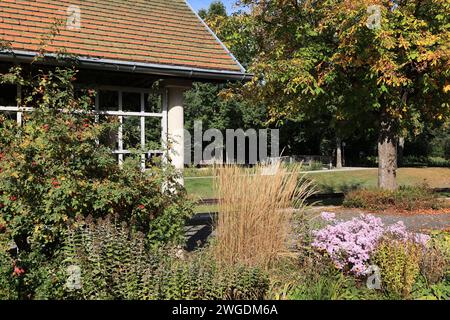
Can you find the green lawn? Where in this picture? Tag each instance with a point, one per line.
(202, 188)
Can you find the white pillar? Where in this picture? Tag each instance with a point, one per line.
(175, 126)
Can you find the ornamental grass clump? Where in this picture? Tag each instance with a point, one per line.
(350, 244)
(254, 223)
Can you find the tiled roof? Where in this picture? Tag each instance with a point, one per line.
(160, 32)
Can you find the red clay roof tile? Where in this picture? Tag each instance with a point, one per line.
(145, 31)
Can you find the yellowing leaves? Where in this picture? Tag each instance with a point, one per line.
(15, 174)
(25, 144)
(427, 41)
(402, 43)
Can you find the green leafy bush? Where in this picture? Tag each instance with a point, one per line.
(115, 264)
(405, 198)
(200, 277)
(399, 264)
(312, 276)
(53, 170)
(313, 166)
(423, 290)
(425, 161)
(434, 281)
(8, 289)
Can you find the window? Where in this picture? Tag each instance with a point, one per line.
(8, 101)
(142, 118)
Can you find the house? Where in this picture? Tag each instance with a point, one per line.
(123, 47)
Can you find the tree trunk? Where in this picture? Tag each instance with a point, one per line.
(387, 156)
(338, 153)
(400, 149)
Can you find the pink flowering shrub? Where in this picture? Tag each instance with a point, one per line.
(350, 244)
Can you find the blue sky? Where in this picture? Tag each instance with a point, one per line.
(199, 4)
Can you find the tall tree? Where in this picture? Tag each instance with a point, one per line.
(216, 8)
(379, 61)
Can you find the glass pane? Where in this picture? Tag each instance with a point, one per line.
(153, 133)
(131, 132)
(8, 94)
(153, 102)
(108, 100)
(131, 102)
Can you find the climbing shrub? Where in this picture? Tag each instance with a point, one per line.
(7, 278)
(53, 171)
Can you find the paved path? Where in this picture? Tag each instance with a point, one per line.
(414, 222)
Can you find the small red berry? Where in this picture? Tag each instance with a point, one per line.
(55, 183)
(141, 207)
(13, 198)
(18, 271)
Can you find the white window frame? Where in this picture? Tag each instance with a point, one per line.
(142, 115)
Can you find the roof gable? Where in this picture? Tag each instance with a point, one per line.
(157, 32)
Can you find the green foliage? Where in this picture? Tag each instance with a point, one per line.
(435, 264)
(424, 161)
(314, 277)
(399, 265)
(441, 240)
(53, 170)
(116, 265)
(113, 260)
(7, 281)
(204, 103)
(319, 60)
(434, 281)
(201, 278)
(405, 198)
(216, 8)
(333, 287)
(314, 165)
(438, 291)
